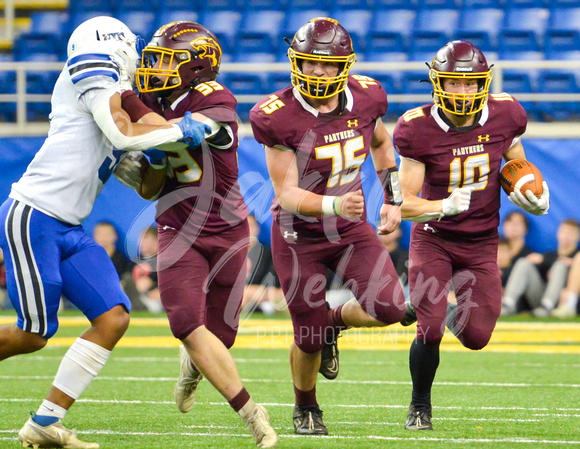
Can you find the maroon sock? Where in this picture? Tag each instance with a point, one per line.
(335, 318)
(240, 400)
(305, 398)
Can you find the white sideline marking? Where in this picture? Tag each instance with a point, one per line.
(284, 381)
(329, 437)
(276, 404)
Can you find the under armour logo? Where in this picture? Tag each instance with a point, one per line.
(352, 123)
(294, 235)
(483, 138)
(426, 227)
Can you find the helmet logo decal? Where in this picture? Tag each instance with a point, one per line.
(322, 52)
(325, 18)
(118, 36)
(161, 31)
(191, 30)
(206, 47)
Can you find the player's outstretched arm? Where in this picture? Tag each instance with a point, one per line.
(411, 177)
(284, 174)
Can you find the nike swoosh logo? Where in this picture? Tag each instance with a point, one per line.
(334, 367)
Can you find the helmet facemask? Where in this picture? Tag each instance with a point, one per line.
(160, 69)
(319, 87)
(460, 103)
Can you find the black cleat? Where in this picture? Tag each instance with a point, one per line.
(329, 363)
(308, 421)
(419, 418)
(410, 316)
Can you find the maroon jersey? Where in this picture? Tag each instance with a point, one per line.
(462, 158)
(204, 180)
(330, 147)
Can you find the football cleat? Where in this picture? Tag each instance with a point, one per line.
(54, 435)
(329, 363)
(258, 421)
(419, 418)
(410, 316)
(308, 421)
(187, 383)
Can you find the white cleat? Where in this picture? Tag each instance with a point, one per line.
(186, 385)
(55, 435)
(258, 421)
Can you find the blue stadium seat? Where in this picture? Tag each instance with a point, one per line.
(481, 27)
(292, 22)
(469, 4)
(7, 86)
(91, 5)
(139, 22)
(278, 80)
(395, 4)
(221, 5)
(525, 3)
(224, 24)
(121, 6)
(391, 82)
(563, 3)
(523, 29)
(573, 55)
(422, 56)
(168, 16)
(357, 23)
(181, 5)
(259, 31)
(48, 22)
(563, 32)
(264, 58)
(257, 5)
(339, 5)
(559, 82)
(246, 84)
(78, 17)
(439, 4)
(39, 83)
(385, 57)
(298, 5)
(413, 83)
(433, 29)
(37, 47)
(390, 30)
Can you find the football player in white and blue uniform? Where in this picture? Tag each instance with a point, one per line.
(47, 251)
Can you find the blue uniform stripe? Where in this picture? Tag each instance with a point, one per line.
(88, 57)
(81, 76)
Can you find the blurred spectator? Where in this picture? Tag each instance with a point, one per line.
(514, 228)
(569, 297)
(145, 272)
(540, 278)
(262, 292)
(504, 261)
(105, 234)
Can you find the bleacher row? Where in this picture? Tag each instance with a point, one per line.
(382, 31)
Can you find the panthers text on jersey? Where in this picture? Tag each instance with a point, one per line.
(204, 179)
(76, 159)
(462, 158)
(330, 147)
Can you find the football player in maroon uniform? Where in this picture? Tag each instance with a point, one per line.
(317, 133)
(203, 229)
(451, 154)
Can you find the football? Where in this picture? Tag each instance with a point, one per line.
(521, 175)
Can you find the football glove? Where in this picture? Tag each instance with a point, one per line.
(128, 171)
(530, 203)
(457, 202)
(193, 131)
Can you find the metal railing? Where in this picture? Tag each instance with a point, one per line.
(22, 98)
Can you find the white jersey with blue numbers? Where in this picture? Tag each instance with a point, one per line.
(72, 166)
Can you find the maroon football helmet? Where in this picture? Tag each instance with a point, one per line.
(180, 55)
(325, 40)
(460, 60)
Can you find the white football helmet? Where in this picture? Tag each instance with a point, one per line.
(110, 35)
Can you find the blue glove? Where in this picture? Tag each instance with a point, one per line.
(193, 131)
(157, 158)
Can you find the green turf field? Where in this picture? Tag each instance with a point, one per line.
(521, 391)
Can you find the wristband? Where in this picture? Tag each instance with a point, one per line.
(389, 179)
(134, 106)
(328, 205)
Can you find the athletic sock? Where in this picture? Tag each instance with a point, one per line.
(239, 400)
(423, 363)
(335, 318)
(305, 398)
(48, 413)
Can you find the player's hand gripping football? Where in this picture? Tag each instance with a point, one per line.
(351, 204)
(193, 131)
(390, 219)
(530, 203)
(457, 202)
(128, 171)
